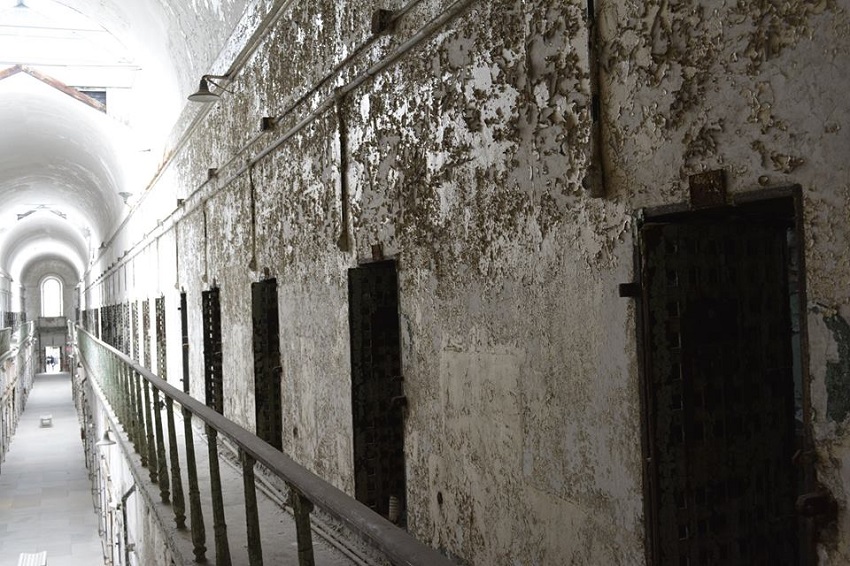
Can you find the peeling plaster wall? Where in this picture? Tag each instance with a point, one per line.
(755, 89)
(464, 161)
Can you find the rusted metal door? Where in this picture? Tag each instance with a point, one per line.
(213, 381)
(376, 388)
(720, 392)
(184, 340)
(161, 356)
(267, 366)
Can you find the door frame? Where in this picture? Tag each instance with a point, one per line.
(681, 211)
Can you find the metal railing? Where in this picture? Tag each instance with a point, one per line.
(16, 378)
(136, 396)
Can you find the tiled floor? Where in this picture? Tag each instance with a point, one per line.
(45, 493)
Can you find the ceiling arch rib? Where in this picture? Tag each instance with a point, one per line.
(33, 238)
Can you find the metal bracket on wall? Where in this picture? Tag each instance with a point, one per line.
(630, 290)
(707, 189)
(383, 21)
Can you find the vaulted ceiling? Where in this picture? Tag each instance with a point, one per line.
(69, 168)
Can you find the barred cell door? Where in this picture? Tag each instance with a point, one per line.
(213, 378)
(267, 366)
(721, 427)
(376, 388)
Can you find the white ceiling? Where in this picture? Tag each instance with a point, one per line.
(64, 163)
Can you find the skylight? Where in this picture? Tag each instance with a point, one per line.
(62, 43)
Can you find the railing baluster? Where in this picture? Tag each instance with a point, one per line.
(162, 463)
(252, 519)
(153, 466)
(140, 417)
(301, 507)
(199, 535)
(178, 504)
(121, 381)
(127, 392)
(222, 548)
(132, 425)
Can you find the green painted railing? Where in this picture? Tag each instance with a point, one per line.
(136, 396)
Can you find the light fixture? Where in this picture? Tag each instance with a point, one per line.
(204, 94)
(105, 441)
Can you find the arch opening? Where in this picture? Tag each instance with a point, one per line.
(52, 296)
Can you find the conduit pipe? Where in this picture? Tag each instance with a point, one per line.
(424, 33)
(328, 103)
(236, 65)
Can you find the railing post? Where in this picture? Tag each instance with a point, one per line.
(252, 519)
(162, 463)
(141, 447)
(178, 503)
(119, 390)
(222, 548)
(153, 466)
(199, 534)
(301, 508)
(131, 425)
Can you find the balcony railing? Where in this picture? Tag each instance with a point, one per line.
(137, 396)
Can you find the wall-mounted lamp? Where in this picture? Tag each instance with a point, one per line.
(105, 441)
(204, 94)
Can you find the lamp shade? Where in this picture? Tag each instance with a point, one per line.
(105, 441)
(203, 94)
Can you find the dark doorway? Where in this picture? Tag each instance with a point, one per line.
(184, 338)
(723, 381)
(267, 367)
(376, 388)
(213, 380)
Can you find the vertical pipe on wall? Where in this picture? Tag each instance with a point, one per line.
(594, 181)
(344, 242)
(252, 265)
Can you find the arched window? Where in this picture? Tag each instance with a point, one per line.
(51, 297)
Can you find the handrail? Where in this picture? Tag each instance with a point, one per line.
(397, 545)
(21, 340)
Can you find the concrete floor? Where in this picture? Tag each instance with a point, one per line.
(45, 493)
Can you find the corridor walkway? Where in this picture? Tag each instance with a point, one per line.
(45, 493)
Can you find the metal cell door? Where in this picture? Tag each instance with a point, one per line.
(213, 380)
(376, 387)
(161, 364)
(267, 368)
(721, 420)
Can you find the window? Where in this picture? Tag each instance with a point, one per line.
(51, 297)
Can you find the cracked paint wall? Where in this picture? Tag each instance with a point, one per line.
(464, 158)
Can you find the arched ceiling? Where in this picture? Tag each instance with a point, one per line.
(68, 166)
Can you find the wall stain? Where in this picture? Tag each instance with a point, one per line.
(838, 372)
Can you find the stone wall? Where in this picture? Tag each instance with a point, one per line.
(460, 150)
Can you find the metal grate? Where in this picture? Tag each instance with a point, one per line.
(134, 349)
(376, 394)
(212, 349)
(161, 357)
(146, 334)
(719, 366)
(267, 365)
(184, 340)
